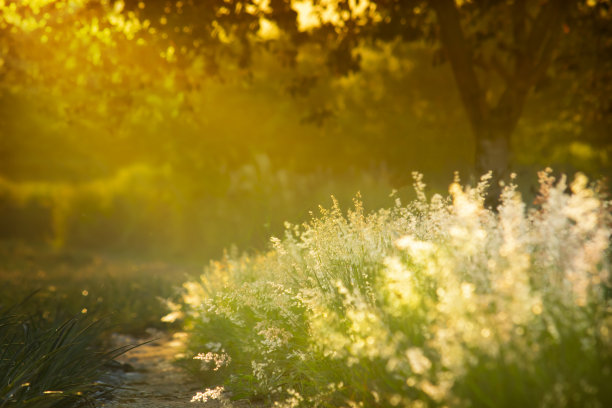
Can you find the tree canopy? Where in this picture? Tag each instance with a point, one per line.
(124, 68)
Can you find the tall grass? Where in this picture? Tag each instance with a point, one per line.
(440, 302)
(50, 362)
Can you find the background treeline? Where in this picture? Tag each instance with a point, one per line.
(145, 212)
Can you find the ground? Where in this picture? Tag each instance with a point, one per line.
(148, 378)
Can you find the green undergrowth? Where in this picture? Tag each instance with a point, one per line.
(158, 213)
(130, 295)
(440, 302)
(50, 362)
(57, 312)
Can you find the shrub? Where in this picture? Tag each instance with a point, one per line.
(438, 303)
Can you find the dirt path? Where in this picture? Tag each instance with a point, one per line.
(149, 379)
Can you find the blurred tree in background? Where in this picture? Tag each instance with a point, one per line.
(220, 94)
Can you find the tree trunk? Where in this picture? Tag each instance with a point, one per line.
(493, 125)
(493, 153)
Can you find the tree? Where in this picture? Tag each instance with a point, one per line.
(528, 53)
(499, 50)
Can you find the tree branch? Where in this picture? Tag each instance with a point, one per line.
(460, 56)
(533, 60)
(501, 70)
(519, 15)
(546, 26)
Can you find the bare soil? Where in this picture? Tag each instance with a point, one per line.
(148, 378)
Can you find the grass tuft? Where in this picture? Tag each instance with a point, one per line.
(49, 363)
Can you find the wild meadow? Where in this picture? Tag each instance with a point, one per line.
(167, 166)
(79, 262)
(437, 302)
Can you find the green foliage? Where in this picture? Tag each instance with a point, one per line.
(128, 295)
(54, 345)
(437, 303)
(55, 348)
(137, 79)
(150, 212)
(49, 361)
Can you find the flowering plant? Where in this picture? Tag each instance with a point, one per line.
(441, 302)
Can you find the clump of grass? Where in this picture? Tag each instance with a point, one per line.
(442, 302)
(50, 362)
